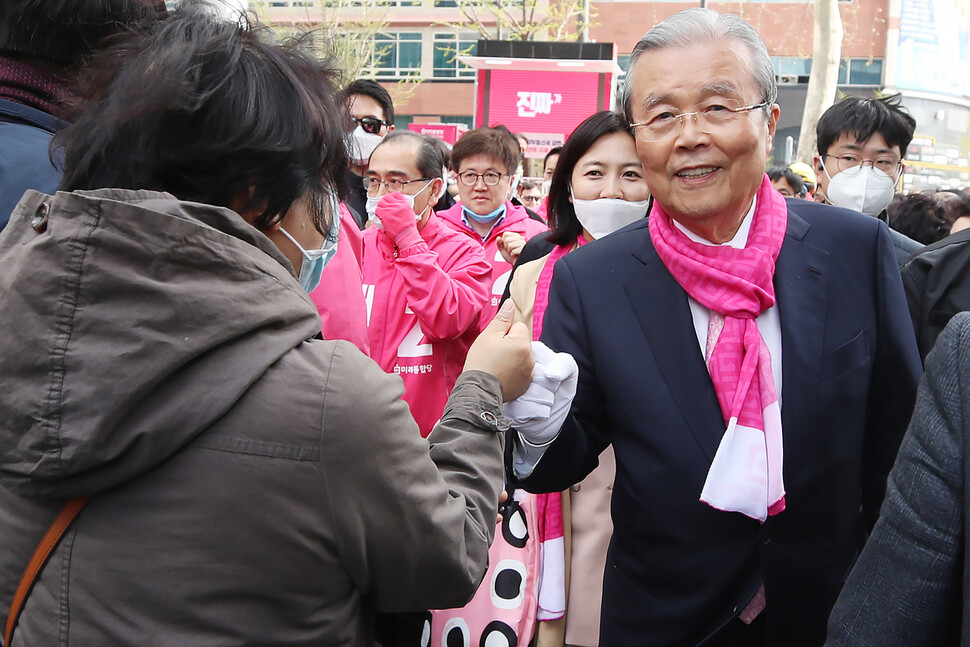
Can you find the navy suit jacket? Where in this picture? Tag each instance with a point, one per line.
(25, 163)
(679, 570)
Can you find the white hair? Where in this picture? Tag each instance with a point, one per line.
(697, 25)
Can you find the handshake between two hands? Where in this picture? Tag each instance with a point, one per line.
(538, 385)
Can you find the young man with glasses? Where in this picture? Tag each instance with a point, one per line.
(484, 161)
(749, 358)
(371, 119)
(424, 284)
(861, 143)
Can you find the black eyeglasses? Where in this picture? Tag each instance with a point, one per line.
(370, 125)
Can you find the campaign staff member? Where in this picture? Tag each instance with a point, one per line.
(484, 161)
(425, 284)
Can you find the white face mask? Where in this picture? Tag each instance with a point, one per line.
(371, 206)
(360, 145)
(514, 185)
(546, 184)
(604, 216)
(862, 189)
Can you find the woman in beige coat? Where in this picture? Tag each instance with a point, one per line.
(597, 188)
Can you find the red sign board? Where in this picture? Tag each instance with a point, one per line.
(448, 132)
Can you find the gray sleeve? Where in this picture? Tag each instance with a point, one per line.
(905, 589)
(413, 517)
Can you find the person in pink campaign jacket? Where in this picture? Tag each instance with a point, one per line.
(485, 160)
(425, 284)
(339, 298)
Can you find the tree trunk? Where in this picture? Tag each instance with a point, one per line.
(824, 80)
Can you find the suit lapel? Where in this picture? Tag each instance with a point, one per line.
(801, 291)
(661, 307)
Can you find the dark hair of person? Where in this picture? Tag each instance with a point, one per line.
(794, 179)
(445, 151)
(918, 216)
(493, 142)
(955, 204)
(375, 91)
(861, 117)
(429, 160)
(555, 150)
(563, 224)
(65, 32)
(505, 129)
(527, 185)
(209, 110)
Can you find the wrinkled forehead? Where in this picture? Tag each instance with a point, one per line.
(398, 157)
(721, 68)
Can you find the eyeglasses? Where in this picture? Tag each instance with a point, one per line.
(711, 120)
(529, 199)
(370, 125)
(491, 178)
(851, 163)
(372, 185)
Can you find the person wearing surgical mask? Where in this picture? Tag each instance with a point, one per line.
(371, 113)
(485, 161)
(861, 143)
(425, 284)
(598, 187)
(166, 384)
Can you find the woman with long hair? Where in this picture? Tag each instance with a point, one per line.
(597, 188)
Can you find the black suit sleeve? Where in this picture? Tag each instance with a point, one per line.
(575, 452)
(895, 376)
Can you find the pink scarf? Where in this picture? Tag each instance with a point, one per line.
(736, 285)
(551, 596)
(545, 281)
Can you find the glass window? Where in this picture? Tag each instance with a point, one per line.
(447, 49)
(864, 71)
(396, 54)
(792, 65)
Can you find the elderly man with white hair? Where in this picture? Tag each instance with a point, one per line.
(751, 362)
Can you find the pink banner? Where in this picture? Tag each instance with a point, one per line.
(540, 102)
(448, 132)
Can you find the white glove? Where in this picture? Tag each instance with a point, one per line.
(538, 413)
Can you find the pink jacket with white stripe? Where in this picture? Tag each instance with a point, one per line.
(516, 220)
(424, 307)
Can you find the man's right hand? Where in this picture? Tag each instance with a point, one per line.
(504, 350)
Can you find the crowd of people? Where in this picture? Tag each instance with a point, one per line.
(277, 373)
